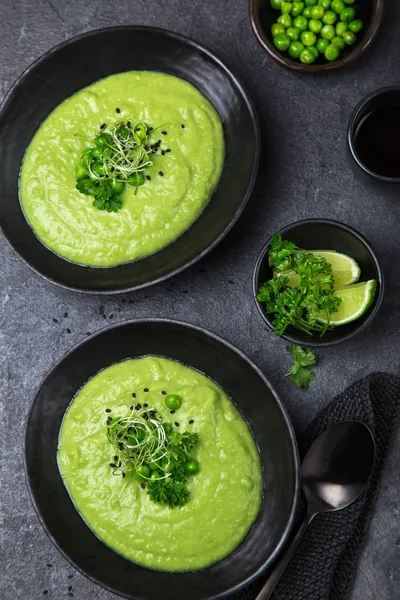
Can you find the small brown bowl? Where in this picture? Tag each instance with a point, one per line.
(263, 16)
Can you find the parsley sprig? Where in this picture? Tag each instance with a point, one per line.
(304, 305)
(303, 358)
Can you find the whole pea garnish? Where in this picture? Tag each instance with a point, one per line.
(117, 186)
(347, 15)
(307, 57)
(142, 473)
(322, 45)
(285, 20)
(81, 170)
(332, 52)
(308, 38)
(173, 401)
(349, 37)
(341, 28)
(314, 49)
(329, 18)
(310, 2)
(282, 42)
(328, 32)
(276, 4)
(337, 6)
(286, 8)
(98, 169)
(307, 12)
(297, 9)
(317, 12)
(324, 3)
(155, 475)
(301, 23)
(315, 25)
(356, 25)
(295, 49)
(192, 466)
(277, 29)
(338, 41)
(293, 33)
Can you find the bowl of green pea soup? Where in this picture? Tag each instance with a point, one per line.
(312, 36)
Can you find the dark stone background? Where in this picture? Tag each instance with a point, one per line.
(303, 173)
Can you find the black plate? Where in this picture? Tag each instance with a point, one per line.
(325, 234)
(255, 399)
(79, 62)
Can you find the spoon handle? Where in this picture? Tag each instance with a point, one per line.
(281, 564)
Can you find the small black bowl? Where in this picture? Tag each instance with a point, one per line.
(325, 234)
(83, 60)
(254, 398)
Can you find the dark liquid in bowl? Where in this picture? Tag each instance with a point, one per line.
(377, 141)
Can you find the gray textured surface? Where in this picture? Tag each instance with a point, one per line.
(303, 174)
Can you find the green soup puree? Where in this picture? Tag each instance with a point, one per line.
(225, 495)
(163, 208)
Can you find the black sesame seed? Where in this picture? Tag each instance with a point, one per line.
(123, 475)
(115, 457)
(65, 315)
(68, 330)
(231, 282)
(104, 316)
(164, 393)
(137, 407)
(142, 486)
(131, 407)
(108, 409)
(176, 424)
(150, 129)
(111, 316)
(145, 389)
(103, 126)
(164, 132)
(133, 395)
(49, 565)
(153, 413)
(145, 416)
(182, 125)
(191, 422)
(45, 592)
(117, 110)
(168, 150)
(145, 405)
(70, 576)
(121, 446)
(161, 174)
(69, 588)
(88, 333)
(55, 320)
(128, 123)
(113, 465)
(140, 406)
(172, 411)
(162, 152)
(148, 177)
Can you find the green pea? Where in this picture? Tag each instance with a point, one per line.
(324, 3)
(88, 156)
(315, 25)
(136, 179)
(328, 32)
(349, 37)
(168, 428)
(337, 6)
(173, 401)
(97, 152)
(98, 169)
(308, 38)
(298, 8)
(81, 170)
(338, 41)
(276, 4)
(307, 57)
(332, 52)
(192, 466)
(295, 49)
(307, 12)
(102, 139)
(329, 18)
(301, 23)
(153, 466)
(285, 20)
(155, 475)
(277, 29)
(322, 45)
(286, 8)
(341, 28)
(293, 33)
(317, 12)
(347, 15)
(315, 50)
(311, 2)
(142, 473)
(356, 26)
(282, 42)
(117, 186)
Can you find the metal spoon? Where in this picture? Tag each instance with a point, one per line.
(334, 472)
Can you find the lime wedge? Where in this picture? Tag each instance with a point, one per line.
(345, 270)
(356, 300)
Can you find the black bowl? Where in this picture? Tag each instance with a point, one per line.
(79, 62)
(253, 396)
(324, 234)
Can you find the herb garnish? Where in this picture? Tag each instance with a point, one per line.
(303, 357)
(312, 298)
(119, 157)
(157, 455)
